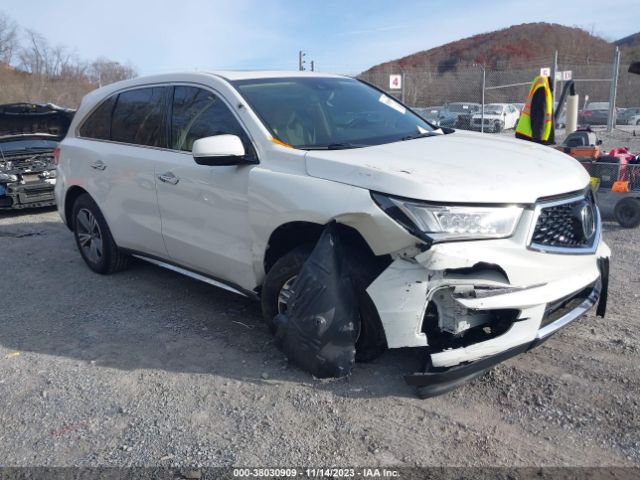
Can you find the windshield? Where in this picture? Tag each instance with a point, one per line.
(598, 106)
(461, 108)
(426, 113)
(27, 144)
(318, 113)
(493, 109)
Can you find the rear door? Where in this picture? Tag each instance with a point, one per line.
(130, 129)
(204, 209)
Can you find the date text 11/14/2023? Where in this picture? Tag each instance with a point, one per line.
(315, 472)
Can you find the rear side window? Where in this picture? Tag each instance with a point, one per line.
(138, 117)
(98, 124)
(198, 113)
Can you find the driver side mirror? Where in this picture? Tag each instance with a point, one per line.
(220, 150)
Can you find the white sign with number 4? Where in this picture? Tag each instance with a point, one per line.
(395, 82)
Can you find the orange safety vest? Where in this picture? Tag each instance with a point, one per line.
(525, 128)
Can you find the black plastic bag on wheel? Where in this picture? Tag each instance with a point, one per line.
(318, 331)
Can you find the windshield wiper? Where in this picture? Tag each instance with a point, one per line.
(334, 146)
(420, 135)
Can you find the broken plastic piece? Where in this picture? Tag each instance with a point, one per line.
(318, 332)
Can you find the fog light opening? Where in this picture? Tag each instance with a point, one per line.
(448, 324)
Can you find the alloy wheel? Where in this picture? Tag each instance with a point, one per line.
(285, 294)
(89, 235)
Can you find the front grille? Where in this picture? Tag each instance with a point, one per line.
(571, 224)
(38, 190)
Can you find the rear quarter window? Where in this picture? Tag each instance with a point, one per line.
(98, 123)
(138, 117)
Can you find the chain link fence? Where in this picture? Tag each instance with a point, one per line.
(614, 176)
(457, 96)
(628, 97)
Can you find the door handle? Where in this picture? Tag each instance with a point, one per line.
(168, 178)
(98, 165)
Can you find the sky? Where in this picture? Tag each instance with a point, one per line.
(345, 36)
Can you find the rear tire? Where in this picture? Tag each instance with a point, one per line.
(93, 238)
(627, 212)
(371, 341)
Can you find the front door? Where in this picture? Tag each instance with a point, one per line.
(204, 210)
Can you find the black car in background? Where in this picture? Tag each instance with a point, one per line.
(29, 134)
(594, 116)
(458, 114)
(597, 113)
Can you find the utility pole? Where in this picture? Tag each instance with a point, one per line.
(301, 60)
(614, 91)
(554, 69)
(484, 84)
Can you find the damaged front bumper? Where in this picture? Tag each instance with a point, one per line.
(435, 381)
(28, 194)
(475, 304)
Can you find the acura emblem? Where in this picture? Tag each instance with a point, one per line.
(588, 220)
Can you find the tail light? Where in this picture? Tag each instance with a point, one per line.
(56, 156)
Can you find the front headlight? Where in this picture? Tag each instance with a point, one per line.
(7, 177)
(441, 223)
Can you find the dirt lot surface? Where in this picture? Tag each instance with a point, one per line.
(148, 367)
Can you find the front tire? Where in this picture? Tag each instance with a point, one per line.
(371, 342)
(283, 271)
(94, 239)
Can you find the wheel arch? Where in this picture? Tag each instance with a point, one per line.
(291, 235)
(70, 198)
(364, 266)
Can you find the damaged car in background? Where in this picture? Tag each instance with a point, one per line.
(357, 224)
(29, 135)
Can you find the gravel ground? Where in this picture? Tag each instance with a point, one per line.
(150, 368)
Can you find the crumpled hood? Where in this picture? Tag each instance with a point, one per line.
(458, 167)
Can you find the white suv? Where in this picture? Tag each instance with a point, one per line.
(474, 247)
